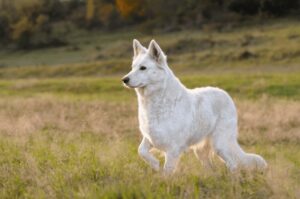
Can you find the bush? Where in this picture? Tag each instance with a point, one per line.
(22, 32)
(4, 27)
(245, 7)
(278, 7)
(35, 34)
(270, 7)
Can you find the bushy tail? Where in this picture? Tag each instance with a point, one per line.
(253, 161)
(250, 160)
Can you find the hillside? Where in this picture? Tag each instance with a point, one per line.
(264, 47)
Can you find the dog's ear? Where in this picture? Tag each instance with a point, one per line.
(155, 51)
(138, 48)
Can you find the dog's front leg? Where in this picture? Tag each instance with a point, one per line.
(144, 152)
(171, 160)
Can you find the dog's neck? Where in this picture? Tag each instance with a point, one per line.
(168, 91)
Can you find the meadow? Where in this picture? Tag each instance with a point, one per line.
(68, 128)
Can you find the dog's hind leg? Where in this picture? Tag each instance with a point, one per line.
(144, 152)
(224, 139)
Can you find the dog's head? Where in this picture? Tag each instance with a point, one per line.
(148, 66)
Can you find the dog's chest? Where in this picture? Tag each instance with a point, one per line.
(154, 126)
(159, 122)
(154, 116)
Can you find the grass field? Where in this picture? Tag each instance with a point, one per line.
(78, 138)
(68, 128)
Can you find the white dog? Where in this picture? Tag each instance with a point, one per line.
(173, 118)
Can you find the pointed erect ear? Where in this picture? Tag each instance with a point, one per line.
(138, 48)
(155, 51)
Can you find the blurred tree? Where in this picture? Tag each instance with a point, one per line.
(131, 8)
(73, 5)
(108, 15)
(245, 7)
(34, 23)
(105, 11)
(270, 7)
(4, 28)
(76, 12)
(22, 32)
(278, 7)
(54, 9)
(163, 13)
(101, 13)
(90, 10)
(33, 28)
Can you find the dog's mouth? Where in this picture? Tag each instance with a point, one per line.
(134, 86)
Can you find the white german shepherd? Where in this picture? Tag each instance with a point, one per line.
(173, 118)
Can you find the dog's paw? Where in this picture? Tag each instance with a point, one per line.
(155, 166)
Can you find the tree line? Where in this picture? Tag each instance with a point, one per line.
(43, 23)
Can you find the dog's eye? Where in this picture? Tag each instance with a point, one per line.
(143, 68)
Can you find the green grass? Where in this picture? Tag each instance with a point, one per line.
(238, 85)
(85, 165)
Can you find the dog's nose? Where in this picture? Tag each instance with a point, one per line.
(125, 80)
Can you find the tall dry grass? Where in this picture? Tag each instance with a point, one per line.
(19, 116)
(268, 120)
(269, 127)
(264, 120)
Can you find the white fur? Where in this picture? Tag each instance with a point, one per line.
(173, 118)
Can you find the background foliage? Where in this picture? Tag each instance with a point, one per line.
(43, 23)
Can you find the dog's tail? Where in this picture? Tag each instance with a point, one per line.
(249, 160)
(254, 161)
